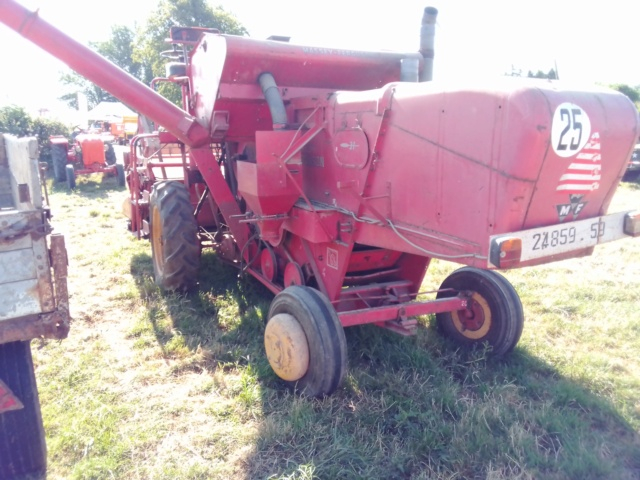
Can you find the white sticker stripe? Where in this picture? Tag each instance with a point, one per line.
(577, 187)
(583, 166)
(594, 157)
(576, 176)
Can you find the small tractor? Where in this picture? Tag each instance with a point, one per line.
(89, 153)
(334, 177)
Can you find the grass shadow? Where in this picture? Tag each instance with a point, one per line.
(410, 407)
(223, 317)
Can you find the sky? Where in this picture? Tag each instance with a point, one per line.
(588, 42)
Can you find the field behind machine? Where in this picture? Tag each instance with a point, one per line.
(158, 386)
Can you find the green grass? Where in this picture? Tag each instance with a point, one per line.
(158, 386)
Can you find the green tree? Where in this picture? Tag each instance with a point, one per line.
(119, 50)
(76, 83)
(43, 129)
(551, 74)
(183, 13)
(16, 121)
(139, 54)
(632, 93)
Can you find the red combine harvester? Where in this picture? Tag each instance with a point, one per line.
(334, 177)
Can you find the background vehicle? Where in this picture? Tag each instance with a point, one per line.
(633, 169)
(125, 130)
(33, 303)
(334, 177)
(89, 153)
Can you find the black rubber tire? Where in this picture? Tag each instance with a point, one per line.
(120, 177)
(502, 301)
(71, 177)
(23, 452)
(325, 337)
(110, 154)
(59, 161)
(175, 248)
(631, 176)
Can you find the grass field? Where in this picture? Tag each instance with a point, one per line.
(155, 386)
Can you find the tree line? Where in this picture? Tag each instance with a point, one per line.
(16, 121)
(138, 51)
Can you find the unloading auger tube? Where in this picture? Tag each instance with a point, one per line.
(103, 73)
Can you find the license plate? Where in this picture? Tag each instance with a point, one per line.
(568, 237)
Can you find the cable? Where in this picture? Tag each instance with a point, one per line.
(432, 254)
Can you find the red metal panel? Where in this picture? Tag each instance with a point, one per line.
(364, 260)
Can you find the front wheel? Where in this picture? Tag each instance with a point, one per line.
(71, 177)
(304, 341)
(59, 161)
(494, 314)
(120, 176)
(110, 154)
(23, 452)
(175, 247)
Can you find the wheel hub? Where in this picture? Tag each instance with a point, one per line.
(286, 345)
(474, 321)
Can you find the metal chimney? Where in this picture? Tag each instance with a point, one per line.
(427, 40)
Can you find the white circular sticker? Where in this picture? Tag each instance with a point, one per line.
(570, 130)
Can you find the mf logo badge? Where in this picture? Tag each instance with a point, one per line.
(332, 258)
(574, 207)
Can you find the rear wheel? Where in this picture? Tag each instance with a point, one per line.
(23, 452)
(71, 177)
(120, 178)
(174, 237)
(494, 314)
(305, 342)
(59, 161)
(110, 154)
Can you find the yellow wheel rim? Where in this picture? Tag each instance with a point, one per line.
(286, 345)
(473, 322)
(156, 239)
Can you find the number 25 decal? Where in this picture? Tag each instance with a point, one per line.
(570, 129)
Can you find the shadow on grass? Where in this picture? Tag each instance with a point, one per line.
(409, 408)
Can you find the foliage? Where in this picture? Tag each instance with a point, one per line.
(551, 74)
(76, 83)
(16, 121)
(185, 13)
(43, 128)
(632, 93)
(139, 53)
(119, 50)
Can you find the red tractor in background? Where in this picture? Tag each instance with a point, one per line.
(334, 176)
(89, 153)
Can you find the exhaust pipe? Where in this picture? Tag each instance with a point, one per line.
(427, 41)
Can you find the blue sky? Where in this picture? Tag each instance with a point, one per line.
(589, 41)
